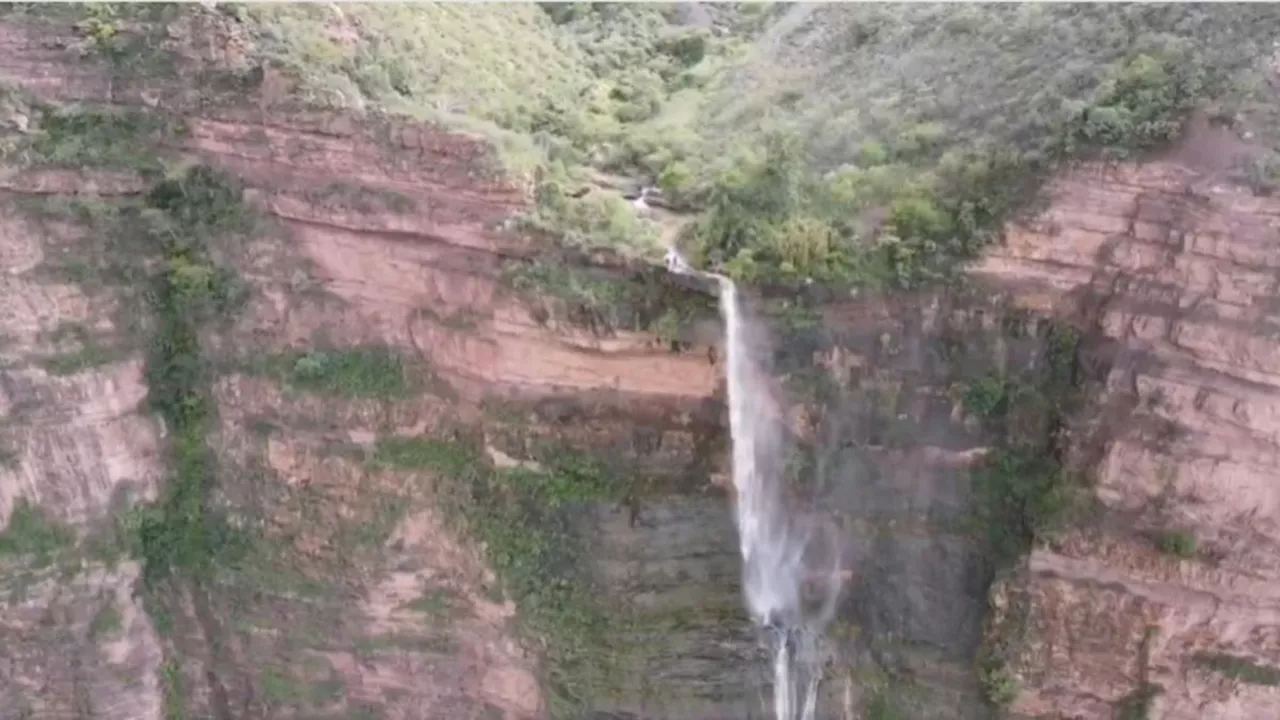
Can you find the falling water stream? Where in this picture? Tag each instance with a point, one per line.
(791, 566)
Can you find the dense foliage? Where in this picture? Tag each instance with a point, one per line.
(898, 201)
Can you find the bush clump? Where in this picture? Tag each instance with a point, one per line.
(354, 373)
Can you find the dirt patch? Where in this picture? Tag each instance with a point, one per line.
(1211, 148)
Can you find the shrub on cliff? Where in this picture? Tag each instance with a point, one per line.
(1140, 107)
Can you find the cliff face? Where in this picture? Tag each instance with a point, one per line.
(375, 246)
(1166, 601)
(397, 358)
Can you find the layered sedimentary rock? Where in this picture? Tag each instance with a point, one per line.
(394, 235)
(370, 234)
(1167, 599)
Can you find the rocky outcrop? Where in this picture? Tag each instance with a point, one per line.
(74, 444)
(1165, 601)
(393, 239)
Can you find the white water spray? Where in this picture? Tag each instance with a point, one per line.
(790, 587)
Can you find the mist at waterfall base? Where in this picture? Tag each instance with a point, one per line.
(791, 562)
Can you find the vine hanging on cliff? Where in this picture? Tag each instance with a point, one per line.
(182, 532)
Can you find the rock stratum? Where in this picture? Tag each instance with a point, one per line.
(391, 238)
(1173, 267)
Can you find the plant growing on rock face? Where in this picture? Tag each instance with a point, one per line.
(882, 707)
(182, 532)
(987, 396)
(1000, 685)
(368, 372)
(594, 219)
(31, 532)
(1177, 543)
(1239, 668)
(1137, 704)
(311, 367)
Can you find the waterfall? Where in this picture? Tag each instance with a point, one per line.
(778, 547)
(790, 589)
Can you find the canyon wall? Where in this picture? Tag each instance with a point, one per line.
(384, 248)
(1165, 601)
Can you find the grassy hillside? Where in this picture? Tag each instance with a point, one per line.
(852, 144)
(928, 124)
(844, 144)
(563, 89)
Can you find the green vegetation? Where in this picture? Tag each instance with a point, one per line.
(1239, 668)
(603, 302)
(808, 175)
(569, 90)
(431, 643)
(875, 182)
(9, 458)
(1020, 495)
(1177, 543)
(1137, 705)
(988, 396)
(883, 707)
(83, 136)
(524, 520)
(106, 622)
(38, 541)
(374, 372)
(98, 138)
(173, 690)
(278, 689)
(31, 533)
(810, 159)
(776, 216)
(604, 87)
(596, 218)
(590, 299)
(183, 532)
(126, 35)
(72, 363)
(434, 603)
(409, 453)
(90, 352)
(354, 373)
(1000, 685)
(107, 255)
(1021, 490)
(799, 172)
